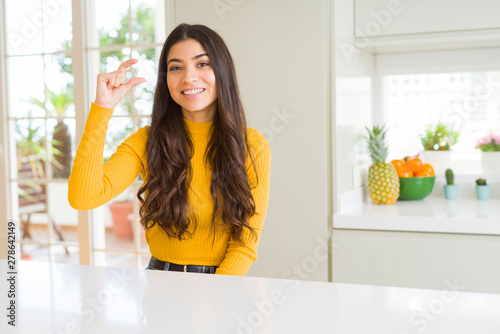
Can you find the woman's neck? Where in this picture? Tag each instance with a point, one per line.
(201, 116)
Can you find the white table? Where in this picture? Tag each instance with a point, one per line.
(61, 298)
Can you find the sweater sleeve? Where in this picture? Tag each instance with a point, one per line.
(92, 183)
(239, 257)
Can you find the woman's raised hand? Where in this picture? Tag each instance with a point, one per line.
(112, 88)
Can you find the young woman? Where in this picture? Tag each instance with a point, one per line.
(206, 174)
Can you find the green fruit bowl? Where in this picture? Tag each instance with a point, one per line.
(415, 188)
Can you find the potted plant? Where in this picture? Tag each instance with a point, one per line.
(61, 137)
(31, 157)
(31, 152)
(450, 188)
(121, 210)
(122, 215)
(437, 142)
(483, 190)
(490, 153)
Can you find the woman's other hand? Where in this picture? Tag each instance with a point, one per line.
(112, 88)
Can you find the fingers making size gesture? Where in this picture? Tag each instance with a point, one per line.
(112, 88)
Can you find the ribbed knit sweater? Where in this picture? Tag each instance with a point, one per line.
(92, 184)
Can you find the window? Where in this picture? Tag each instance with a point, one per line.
(468, 101)
(458, 87)
(119, 31)
(42, 121)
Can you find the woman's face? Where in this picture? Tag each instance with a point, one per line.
(191, 80)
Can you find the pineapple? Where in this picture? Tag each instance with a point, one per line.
(383, 181)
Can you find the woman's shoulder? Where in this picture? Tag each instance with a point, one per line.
(143, 131)
(256, 140)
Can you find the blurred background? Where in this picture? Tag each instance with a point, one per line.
(312, 75)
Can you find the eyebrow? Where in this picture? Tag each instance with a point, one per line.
(194, 58)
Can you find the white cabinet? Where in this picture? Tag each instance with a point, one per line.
(425, 16)
(416, 260)
(432, 24)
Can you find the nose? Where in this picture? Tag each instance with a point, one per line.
(190, 75)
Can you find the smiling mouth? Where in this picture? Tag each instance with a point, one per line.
(193, 91)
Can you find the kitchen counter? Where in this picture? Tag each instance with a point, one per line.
(465, 215)
(61, 298)
(431, 214)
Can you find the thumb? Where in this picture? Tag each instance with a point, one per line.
(134, 81)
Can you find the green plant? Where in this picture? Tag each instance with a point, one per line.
(489, 143)
(481, 182)
(450, 177)
(59, 102)
(31, 151)
(31, 148)
(439, 138)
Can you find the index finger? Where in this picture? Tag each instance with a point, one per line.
(128, 63)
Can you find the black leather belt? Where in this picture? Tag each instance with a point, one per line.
(169, 266)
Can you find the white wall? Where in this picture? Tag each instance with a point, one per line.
(354, 75)
(279, 51)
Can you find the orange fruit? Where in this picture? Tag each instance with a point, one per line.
(404, 172)
(398, 163)
(414, 164)
(428, 168)
(423, 174)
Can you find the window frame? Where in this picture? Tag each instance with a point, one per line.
(84, 85)
(462, 60)
(427, 62)
(4, 172)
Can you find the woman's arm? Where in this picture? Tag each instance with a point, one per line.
(239, 257)
(92, 183)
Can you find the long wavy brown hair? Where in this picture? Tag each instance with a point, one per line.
(170, 149)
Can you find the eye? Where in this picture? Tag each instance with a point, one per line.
(203, 64)
(175, 68)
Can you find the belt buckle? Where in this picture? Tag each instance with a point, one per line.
(185, 268)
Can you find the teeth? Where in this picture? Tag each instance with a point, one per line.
(193, 91)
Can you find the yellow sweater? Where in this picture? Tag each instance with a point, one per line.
(92, 184)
